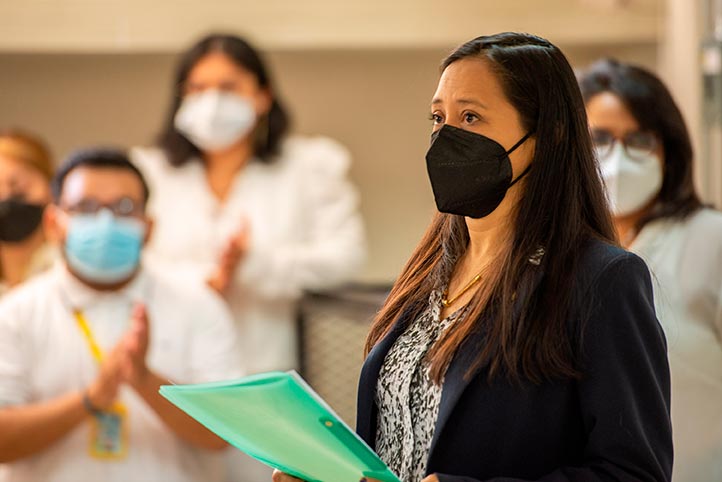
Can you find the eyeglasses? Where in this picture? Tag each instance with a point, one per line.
(123, 207)
(638, 145)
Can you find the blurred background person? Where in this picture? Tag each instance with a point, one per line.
(646, 159)
(257, 215)
(26, 168)
(85, 347)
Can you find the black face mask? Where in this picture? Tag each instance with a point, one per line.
(18, 220)
(469, 173)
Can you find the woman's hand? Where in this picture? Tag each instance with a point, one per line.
(279, 476)
(231, 255)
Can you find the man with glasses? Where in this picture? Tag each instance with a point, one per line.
(85, 347)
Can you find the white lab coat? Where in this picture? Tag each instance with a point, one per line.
(306, 233)
(685, 258)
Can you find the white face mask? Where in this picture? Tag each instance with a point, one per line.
(631, 182)
(213, 120)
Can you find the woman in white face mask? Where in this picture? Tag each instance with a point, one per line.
(646, 160)
(258, 215)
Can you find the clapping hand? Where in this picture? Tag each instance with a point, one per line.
(124, 364)
(134, 347)
(231, 255)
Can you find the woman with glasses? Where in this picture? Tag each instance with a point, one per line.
(646, 160)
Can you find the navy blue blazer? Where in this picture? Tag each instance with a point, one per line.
(611, 425)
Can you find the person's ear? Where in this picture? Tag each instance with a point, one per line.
(264, 101)
(55, 224)
(659, 151)
(149, 228)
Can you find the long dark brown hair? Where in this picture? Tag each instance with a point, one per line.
(652, 105)
(275, 125)
(562, 206)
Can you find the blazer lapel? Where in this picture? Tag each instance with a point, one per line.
(455, 380)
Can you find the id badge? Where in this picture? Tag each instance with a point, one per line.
(109, 433)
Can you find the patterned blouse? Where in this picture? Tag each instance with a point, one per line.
(407, 399)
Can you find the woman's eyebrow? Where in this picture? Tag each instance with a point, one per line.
(461, 101)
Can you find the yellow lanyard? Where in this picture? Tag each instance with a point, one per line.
(88, 335)
(109, 427)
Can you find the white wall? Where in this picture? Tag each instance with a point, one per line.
(679, 65)
(166, 25)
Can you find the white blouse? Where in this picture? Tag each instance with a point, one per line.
(685, 258)
(306, 233)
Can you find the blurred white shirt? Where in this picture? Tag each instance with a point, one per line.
(43, 355)
(306, 233)
(685, 259)
(42, 260)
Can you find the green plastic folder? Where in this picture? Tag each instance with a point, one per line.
(278, 419)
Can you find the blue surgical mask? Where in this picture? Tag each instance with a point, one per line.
(102, 248)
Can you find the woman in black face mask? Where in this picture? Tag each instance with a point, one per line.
(519, 342)
(25, 172)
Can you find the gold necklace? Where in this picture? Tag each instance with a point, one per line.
(448, 302)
